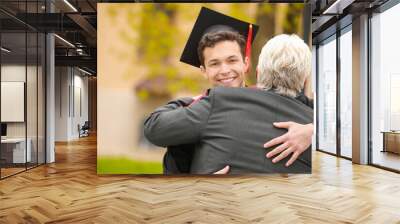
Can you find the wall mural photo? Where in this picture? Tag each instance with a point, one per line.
(203, 88)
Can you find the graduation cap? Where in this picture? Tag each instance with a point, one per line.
(210, 21)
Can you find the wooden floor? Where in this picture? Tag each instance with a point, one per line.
(387, 159)
(10, 171)
(70, 191)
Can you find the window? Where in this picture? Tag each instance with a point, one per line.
(22, 80)
(327, 95)
(385, 89)
(346, 92)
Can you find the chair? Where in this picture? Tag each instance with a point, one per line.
(84, 130)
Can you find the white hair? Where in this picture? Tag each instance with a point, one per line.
(283, 65)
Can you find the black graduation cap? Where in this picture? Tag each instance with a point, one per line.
(212, 21)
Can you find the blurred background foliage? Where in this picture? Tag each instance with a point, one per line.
(157, 34)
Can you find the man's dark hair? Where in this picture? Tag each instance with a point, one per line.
(211, 39)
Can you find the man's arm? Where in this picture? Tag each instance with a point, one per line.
(174, 104)
(295, 141)
(174, 125)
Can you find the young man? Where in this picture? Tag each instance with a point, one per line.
(220, 52)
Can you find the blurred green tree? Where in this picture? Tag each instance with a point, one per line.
(158, 32)
(275, 19)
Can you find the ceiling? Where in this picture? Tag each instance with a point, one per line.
(327, 13)
(72, 20)
(76, 22)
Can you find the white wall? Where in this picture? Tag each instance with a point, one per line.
(71, 93)
(62, 81)
(80, 84)
(12, 73)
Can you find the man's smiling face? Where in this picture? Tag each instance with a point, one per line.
(224, 64)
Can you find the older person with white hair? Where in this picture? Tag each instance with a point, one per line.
(283, 65)
(230, 125)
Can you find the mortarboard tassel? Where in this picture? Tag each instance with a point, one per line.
(248, 45)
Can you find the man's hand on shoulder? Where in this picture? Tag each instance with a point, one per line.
(295, 141)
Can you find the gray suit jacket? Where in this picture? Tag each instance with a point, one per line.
(229, 127)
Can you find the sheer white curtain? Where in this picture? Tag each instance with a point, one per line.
(327, 96)
(346, 93)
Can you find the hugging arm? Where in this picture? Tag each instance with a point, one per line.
(294, 142)
(173, 124)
